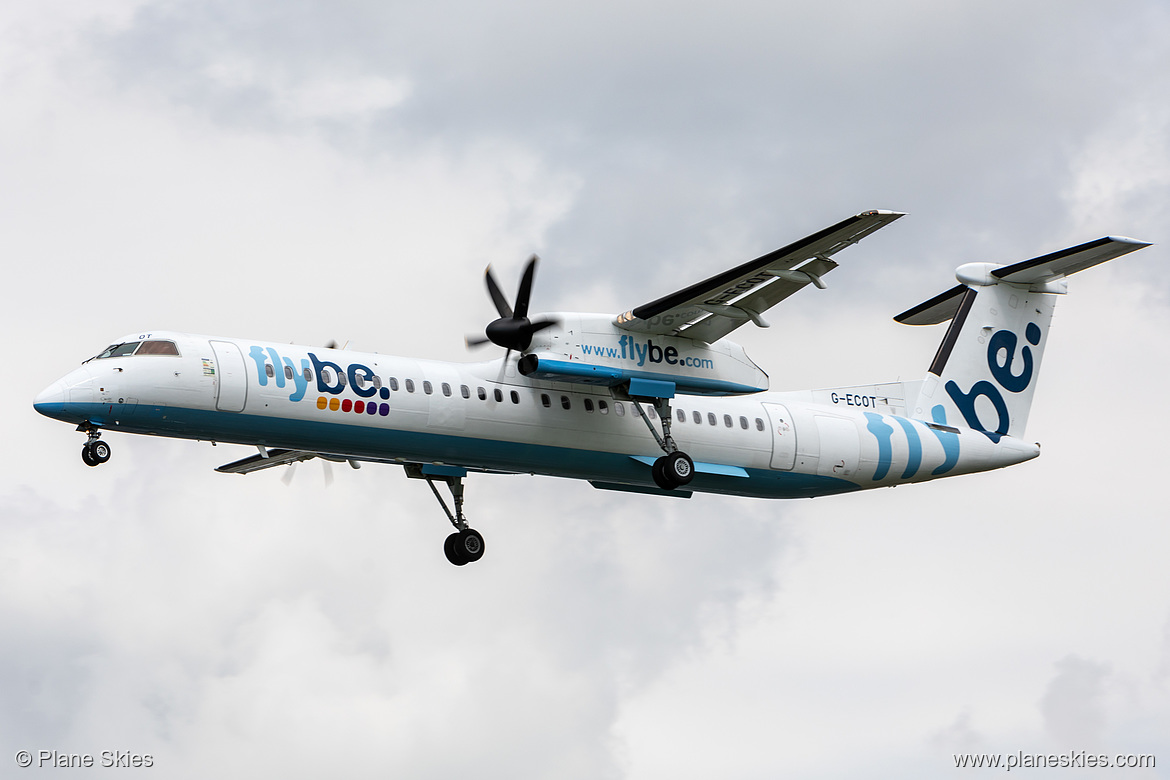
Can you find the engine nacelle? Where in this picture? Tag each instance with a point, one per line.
(590, 349)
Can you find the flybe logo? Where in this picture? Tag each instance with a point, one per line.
(629, 349)
(1003, 343)
(328, 376)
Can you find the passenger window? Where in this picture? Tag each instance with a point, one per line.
(727, 420)
(465, 391)
(268, 369)
(409, 385)
(545, 401)
(394, 383)
(308, 374)
(326, 376)
(759, 424)
(618, 409)
(446, 389)
(378, 382)
(681, 415)
(698, 418)
(288, 372)
(743, 423)
(359, 381)
(427, 387)
(341, 378)
(158, 348)
(711, 419)
(565, 404)
(498, 394)
(650, 411)
(481, 393)
(603, 407)
(588, 404)
(515, 397)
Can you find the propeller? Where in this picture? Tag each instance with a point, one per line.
(290, 472)
(513, 330)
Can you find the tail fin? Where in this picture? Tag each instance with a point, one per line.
(984, 372)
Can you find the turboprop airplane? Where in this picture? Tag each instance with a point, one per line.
(655, 400)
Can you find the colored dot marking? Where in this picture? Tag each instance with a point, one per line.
(384, 409)
(334, 404)
(359, 406)
(384, 393)
(372, 409)
(322, 402)
(346, 405)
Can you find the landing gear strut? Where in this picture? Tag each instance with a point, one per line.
(675, 468)
(95, 452)
(465, 545)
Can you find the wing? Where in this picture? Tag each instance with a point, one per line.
(711, 309)
(265, 461)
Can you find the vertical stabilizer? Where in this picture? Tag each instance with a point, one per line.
(984, 373)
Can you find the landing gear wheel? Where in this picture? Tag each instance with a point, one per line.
(679, 468)
(673, 470)
(87, 456)
(450, 550)
(659, 473)
(99, 451)
(463, 547)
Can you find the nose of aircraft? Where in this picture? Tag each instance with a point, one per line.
(51, 401)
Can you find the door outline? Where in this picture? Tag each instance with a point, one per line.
(231, 393)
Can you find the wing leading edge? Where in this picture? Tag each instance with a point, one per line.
(711, 309)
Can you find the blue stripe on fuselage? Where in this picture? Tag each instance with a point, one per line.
(364, 441)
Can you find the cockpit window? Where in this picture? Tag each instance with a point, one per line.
(158, 348)
(119, 350)
(128, 348)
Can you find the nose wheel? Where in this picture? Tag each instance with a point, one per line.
(95, 452)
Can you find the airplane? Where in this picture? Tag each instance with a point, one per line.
(654, 400)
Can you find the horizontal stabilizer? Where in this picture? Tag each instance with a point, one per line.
(1034, 273)
(1048, 268)
(938, 309)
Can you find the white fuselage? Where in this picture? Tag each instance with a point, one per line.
(487, 416)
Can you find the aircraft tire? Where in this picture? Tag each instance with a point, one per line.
(661, 478)
(87, 456)
(679, 468)
(99, 451)
(451, 551)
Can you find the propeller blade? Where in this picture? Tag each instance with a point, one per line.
(287, 477)
(331, 344)
(525, 291)
(497, 294)
(541, 324)
(328, 467)
(476, 341)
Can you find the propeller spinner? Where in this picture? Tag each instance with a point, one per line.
(513, 329)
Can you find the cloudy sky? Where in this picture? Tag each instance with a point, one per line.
(307, 171)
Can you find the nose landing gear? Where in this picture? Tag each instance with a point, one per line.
(95, 452)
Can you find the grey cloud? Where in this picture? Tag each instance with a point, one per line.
(1073, 706)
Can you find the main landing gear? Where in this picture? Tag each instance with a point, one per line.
(95, 452)
(465, 545)
(675, 468)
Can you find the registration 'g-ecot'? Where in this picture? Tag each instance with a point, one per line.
(655, 400)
